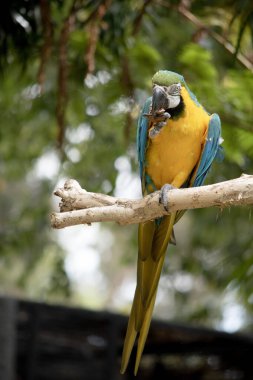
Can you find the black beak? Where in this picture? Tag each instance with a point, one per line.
(159, 99)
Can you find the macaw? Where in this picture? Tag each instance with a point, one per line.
(177, 141)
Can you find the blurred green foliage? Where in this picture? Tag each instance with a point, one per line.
(133, 41)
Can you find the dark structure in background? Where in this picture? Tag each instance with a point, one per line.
(42, 342)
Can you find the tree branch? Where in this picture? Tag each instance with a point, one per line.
(78, 206)
(94, 30)
(220, 39)
(47, 31)
(62, 94)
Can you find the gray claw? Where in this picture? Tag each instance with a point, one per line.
(164, 198)
(166, 115)
(161, 124)
(153, 132)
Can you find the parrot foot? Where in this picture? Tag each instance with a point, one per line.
(155, 130)
(163, 198)
(157, 116)
(161, 115)
(159, 121)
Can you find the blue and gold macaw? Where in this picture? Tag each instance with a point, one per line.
(177, 143)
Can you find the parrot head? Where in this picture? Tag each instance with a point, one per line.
(166, 90)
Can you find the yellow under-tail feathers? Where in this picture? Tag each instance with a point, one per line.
(170, 158)
(148, 275)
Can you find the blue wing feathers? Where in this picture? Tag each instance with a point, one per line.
(142, 135)
(210, 151)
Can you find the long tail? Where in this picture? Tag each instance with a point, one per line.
(153, 242)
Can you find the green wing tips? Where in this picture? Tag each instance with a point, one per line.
(167, 78)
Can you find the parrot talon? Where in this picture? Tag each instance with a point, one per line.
(160, 124)
(158, 119)
(163, 198)
(153, 132)
(166, 115)
(161, 116)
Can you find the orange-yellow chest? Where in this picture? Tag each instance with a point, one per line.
(174, 152)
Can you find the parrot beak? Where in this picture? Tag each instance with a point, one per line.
(165, 98)
(159, 99)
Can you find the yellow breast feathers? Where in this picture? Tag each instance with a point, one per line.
(174, 152)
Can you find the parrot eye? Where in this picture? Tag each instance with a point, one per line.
(174, 89)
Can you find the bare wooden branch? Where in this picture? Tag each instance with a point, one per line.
(81, 207)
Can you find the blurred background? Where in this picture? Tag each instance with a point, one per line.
(74, 75)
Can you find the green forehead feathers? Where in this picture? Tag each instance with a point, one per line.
(167, 78)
